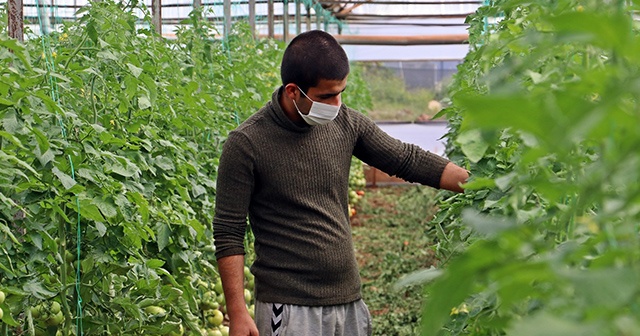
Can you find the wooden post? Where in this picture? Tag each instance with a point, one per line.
(270, 18)
(285, 20)
(252, 17)
(227, 18)
(16, 25)
(156, 13)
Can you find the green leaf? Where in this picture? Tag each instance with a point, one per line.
(106, 206)
(164, 163)
(106, 54)
(90, 211)
(163, 235)
(10, 123)
(6, 317)
(101, 228)
(5, 229)
(417, 278)
(487, 225)
(4, 103)
(544, 324)
(606, 29)
(472, 144)
(67, 181)
(155, 263)
(611, 288)
(144, 102)
(134, 70)
(478, 183)
(11, 138)
(143, 205)
(122, 167)
(91, 31)
(37, 289)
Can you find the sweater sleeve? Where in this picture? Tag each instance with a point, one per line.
(234, 186)
(394, 157)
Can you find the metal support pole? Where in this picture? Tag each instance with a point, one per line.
(45, 23)
(197, 3)
(16, 26)
(308, 16)
(227, 19)
(285, 20)
(270, 18)
(156, 13)
(252, 17)
(298, 21)
(318, 18)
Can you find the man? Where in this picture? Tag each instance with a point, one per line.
(287, 168)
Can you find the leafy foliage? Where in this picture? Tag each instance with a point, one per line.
(545, 115)
(127, 157)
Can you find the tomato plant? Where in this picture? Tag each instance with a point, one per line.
(111, 183)
(544, 113)
(109, 144)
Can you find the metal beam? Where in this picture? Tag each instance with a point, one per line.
(397, 40)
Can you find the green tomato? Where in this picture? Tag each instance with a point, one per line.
(220, 299)
(1, 313)
(247, 296)
(2, 296)
(155, 310)
(213, 332)
(218, 287)
(224, 330)
(35, 311)
(216, 318)
(55, 308)
(54, 319)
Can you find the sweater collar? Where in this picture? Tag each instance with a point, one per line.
(280, 116)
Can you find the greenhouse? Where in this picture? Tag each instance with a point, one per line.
(330, 168)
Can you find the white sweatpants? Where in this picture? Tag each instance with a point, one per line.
(351, 319)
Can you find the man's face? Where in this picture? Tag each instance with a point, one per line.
(327, 91)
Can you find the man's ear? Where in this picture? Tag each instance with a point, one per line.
(292, 91)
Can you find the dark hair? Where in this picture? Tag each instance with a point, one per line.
(312, 56)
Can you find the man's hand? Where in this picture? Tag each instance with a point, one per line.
(242, 325)
(452, 177)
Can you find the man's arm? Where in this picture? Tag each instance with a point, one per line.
(231, 270)
(452, 177)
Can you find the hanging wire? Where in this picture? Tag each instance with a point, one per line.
(48, 54)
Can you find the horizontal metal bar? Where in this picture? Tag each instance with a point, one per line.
(396, 40)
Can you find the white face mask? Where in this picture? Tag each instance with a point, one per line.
(320, 113)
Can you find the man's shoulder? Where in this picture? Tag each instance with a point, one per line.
(254, 122)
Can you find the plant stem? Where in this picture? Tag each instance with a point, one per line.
(93, 99)
(62, 249)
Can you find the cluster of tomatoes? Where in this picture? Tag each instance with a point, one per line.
(212, 305)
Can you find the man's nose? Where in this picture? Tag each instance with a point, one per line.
(335, 100)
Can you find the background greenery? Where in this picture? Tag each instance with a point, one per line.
(392, 99)
(109, 143)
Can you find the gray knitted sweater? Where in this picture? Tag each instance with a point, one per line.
(292, 182)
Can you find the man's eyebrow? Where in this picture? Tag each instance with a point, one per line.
(329, 95)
